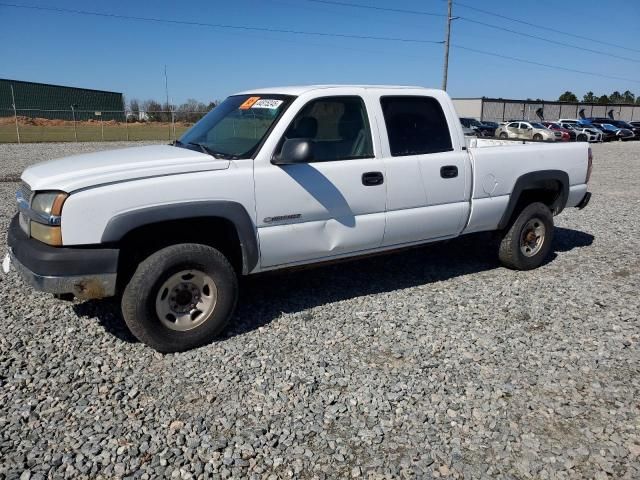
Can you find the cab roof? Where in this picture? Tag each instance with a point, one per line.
(301, 89)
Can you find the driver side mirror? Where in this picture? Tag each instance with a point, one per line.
(294, 150)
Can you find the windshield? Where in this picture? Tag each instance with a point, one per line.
(537, 125)
(236, 127)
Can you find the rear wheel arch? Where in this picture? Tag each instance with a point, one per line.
(550, 187)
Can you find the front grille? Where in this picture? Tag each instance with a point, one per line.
(24, 191)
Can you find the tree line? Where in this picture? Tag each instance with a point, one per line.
(153, 111)
(615, 97)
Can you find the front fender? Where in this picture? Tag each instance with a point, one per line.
(121, 224)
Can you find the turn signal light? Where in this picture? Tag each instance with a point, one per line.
(47, 234)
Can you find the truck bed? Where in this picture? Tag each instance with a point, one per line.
(497, 164)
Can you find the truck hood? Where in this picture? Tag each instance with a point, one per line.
(92, 169)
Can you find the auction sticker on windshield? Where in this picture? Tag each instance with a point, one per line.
(267, 103)
(248, 103)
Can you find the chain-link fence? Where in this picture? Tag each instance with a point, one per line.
(36, 125)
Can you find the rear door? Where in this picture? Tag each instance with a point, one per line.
(513, 130)
(526, 131)
(428, 172)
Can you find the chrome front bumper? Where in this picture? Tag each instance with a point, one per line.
(82, 286)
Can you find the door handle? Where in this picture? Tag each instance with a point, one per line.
(370, 179)
(449, 171)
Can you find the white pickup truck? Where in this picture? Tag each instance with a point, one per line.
(275, 178)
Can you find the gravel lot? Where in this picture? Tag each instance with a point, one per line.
(429, 363)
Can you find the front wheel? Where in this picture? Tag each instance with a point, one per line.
(180, 297)
(582, 138)
(527, 243)
(537, 137)
(503, 135)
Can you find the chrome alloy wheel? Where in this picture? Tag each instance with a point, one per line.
(186, 299)
(532, 237)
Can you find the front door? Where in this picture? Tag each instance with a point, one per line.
(331, 206)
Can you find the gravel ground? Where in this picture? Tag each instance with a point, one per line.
(429, 363)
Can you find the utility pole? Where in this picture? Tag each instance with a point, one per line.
(446, 46)
(166, 89)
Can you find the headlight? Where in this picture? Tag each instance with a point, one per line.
(48, 204)
(44, 214)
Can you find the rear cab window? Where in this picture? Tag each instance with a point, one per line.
(416, 125)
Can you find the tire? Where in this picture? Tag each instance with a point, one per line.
(537, 137)
(504, 135)
(534, 219)
(179, 281)
(582, 138)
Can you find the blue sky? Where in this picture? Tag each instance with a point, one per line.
(207, 63)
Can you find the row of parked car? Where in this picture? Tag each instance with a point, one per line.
(596, 129)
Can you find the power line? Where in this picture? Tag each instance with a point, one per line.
(549, 29)
(478, 22)
(554, 42)
(372, 7)
(531, 62)
(218, 25)
(300, 32)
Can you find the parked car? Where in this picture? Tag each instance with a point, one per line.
(618, 133)
(527, 131)
(493, 125)
(477, 126)
(584, 133)
(569, 120)
(336, 172)
(607, 135)
(568, 135)
(625, 125)
(468, 132)
(635, 124)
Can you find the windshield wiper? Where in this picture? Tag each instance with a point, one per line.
(207, 150)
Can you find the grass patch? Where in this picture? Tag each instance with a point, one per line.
(89, 133)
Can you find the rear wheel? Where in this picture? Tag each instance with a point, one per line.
(582, 138)
(526, 244)
(180, 297)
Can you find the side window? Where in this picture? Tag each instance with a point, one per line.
(338, 128)
(415, 125)
(513, 125)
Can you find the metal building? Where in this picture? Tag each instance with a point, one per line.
(500, 109)
(44, 100)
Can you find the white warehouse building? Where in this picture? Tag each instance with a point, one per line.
(500, 109)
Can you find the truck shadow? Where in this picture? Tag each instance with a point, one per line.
(267, 296)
